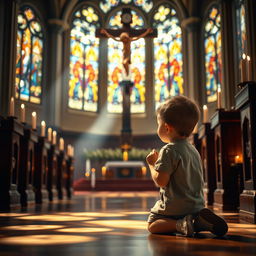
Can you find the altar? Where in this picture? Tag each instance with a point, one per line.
(125, 169)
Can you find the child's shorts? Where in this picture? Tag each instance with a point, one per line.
(154, 216)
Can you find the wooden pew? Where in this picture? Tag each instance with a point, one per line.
(27, 167)
(41, 170)
(52, 173)
(207, 151)
(69, 176)
(10, 132)
(246, 102)
(61, 170)
(227, 143)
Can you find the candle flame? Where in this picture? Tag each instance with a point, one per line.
(22, 106)
(204, 107)
(248, 58)
(93, 170)
(43, 123)
(33, 113)
(244, 56)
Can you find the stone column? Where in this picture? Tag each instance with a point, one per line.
(54, 73)
(8, 42)
(194, 84)
(228, 76)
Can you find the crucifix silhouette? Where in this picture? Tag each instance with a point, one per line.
(126, 35)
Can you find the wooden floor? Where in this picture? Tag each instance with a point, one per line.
(110, 223)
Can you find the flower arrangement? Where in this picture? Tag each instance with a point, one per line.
(115, 154)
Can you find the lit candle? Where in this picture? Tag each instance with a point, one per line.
(43, 125)
(205, 114)
(61, 145)
(249, 69)
(87, 175)
(144, 171)
(103, 171)
(219, 98)
(71, 151)
(49, 133)
(34, 120)
(22, 113)
(54, 137)
(68, 150)
(238, 159)
(125, 155)
(243, 68)
(93, 178)
(11, 110)
(195, 129)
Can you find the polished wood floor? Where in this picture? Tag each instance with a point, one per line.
(110, 223)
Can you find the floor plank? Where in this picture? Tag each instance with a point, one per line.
(110, 223)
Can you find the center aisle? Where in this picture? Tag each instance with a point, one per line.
(110, 223)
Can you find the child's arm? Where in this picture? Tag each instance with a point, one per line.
(161, 179)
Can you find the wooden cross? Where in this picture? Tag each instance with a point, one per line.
(126, 35)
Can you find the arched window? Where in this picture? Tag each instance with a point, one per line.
(84, 57)
(168, 69)
(213, 62)
(240, 29)
(29, 60)
(115, 68)
(106, 5)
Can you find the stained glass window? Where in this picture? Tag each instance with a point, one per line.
(28, 81)
(241, 29)
(168, 69)
(137, 68)
(106, 5)
(84, 57)
(213, 63)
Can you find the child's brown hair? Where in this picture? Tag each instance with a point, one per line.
(180, 112)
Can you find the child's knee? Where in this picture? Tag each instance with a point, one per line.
(151, 228)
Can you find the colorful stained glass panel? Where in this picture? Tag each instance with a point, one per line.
(84, 57)
(28, 82)
(213, 61)
(241, 28)
(137, 68)
(168, 69)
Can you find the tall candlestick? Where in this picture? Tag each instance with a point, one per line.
(243, 68)
(49, 133)
(22, 113)
(93, 177)
(43, 125)
(205, 114)
(11, 110)
(219, 98)
(34, 120)
(61, 146)
(54, 137)
(249, 69)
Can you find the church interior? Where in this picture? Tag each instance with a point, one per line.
(78, 118)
